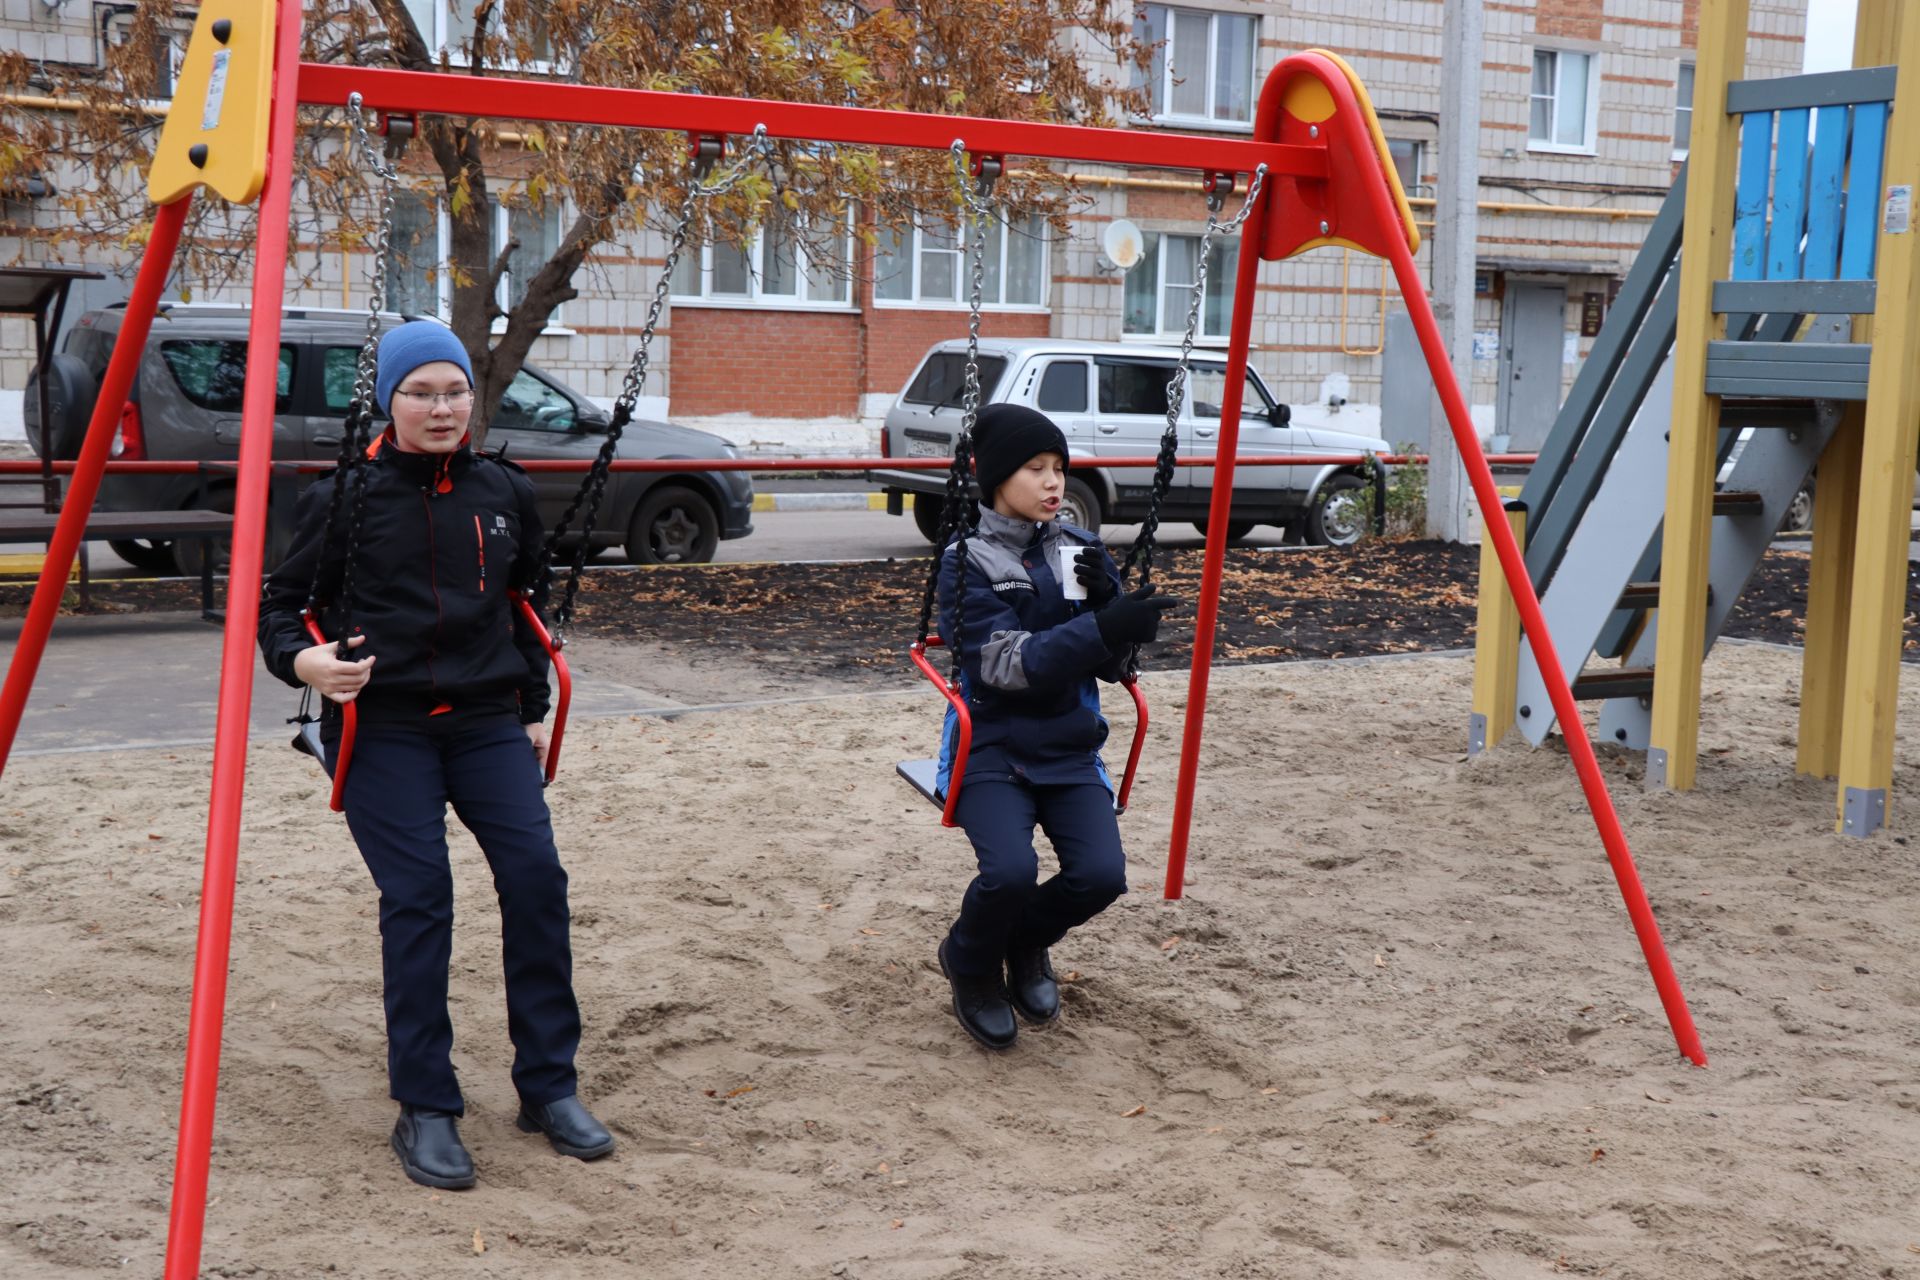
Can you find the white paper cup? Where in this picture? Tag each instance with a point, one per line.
(1070, 585)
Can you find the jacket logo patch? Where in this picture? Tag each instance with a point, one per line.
(1013, 584)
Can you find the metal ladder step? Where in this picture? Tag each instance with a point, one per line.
(1733, 502)
(1612, 682)
(1646, 595)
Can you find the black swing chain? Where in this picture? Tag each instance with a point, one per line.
(350, 467)
(593, 487)
(958, 517)
(1141, 553)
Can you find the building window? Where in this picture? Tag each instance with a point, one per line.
(1159, 289)
(166, 49)
(1682, 110)
(769, 267)
(448, 26)
(1202, 68)
(1410, 162)
(1562, 101)
(417, 280)
(929, 265)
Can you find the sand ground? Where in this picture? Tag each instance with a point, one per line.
(1399, 1027)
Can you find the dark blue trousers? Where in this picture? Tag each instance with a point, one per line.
(1005, 908)
(399, 785)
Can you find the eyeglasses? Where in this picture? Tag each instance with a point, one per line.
(428, 399)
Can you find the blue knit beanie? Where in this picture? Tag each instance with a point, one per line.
(406, 348)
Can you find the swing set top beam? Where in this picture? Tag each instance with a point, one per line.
(504, 97)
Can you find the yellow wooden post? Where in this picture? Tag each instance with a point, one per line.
(1823, 665)
(1878, 609)
(1496, 645)
(1823, 671)
(1674, 735)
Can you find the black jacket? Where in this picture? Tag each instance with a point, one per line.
(443, 538)
(1029, 657)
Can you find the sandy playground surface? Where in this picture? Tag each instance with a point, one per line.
(1399, 1027)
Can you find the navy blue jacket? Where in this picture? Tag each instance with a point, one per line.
(443, 539)
(1029, 657)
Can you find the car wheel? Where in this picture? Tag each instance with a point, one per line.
(1236, 529)
(1799, 517)
(1080, 505)
(144, 554)
(673, 525)
(928, 508)
(71, 391)
(187, 552)
(1337, 516)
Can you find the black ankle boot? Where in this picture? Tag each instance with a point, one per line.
(429, 1147)
(569, 1126)
(1031, 984)
(981, 1005)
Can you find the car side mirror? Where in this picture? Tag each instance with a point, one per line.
(1280, 415)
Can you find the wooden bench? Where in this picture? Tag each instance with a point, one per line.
(38, 526)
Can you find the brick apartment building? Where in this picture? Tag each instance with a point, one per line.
(1584, 114)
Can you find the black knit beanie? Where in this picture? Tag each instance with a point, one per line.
(1005, 436)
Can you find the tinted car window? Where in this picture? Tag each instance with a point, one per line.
(1063, 389)
(212, 374)
(337, 368)
(1207, 384)
(532, 405)
(1126, 387)
(942, 380)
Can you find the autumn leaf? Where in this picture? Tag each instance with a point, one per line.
(479, 1244)
(1137, 1111)
(1170, 943)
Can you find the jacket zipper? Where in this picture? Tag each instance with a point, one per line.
(480, 550)
(433, 580)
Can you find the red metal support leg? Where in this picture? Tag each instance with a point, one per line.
(156, 263)
(1219, 513)
(187, 1219)
(1513, 564)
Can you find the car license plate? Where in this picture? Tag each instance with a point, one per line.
(927, 448)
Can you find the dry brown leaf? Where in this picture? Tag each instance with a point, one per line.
(1268, 1092)
(1913, 1248)
(734, 1093)
(899, 1223)
(883, 1167)
(871, 933)
(153, 836)
(1073, 975)
(1137, 1111)
(1379, 961)
(1597, 1153)
(1218, 1128)
(479, 1244)
(1654, 1097)
(1170, 943)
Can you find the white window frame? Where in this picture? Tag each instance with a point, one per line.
(1216, 285)
(1680, 149)
(1590, 126)
(438, 41)
(1421, 151)
(119, 33)
(963, 275)
(1163, 92)
(443, 279)
(754, 299)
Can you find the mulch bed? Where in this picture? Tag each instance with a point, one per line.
(848, 619)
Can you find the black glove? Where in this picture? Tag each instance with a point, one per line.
(1134, 618)
(1090, 567)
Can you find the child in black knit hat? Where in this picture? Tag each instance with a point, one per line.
(1031, 646)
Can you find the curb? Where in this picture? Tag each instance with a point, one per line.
(819, 502)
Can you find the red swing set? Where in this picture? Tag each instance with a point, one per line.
(1329, 182)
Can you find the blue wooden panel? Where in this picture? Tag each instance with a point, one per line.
(1823, 195)
(1789, 196)
(1750, 197)
(1861, 236)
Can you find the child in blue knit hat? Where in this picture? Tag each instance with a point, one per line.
(451, 686)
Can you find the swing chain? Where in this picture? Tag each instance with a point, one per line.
(759, 148)
(974, 189)
(354, 435)
(1141, 553)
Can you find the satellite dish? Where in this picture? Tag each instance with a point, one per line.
(1122, 243)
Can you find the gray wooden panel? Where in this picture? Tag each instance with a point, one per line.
(1821, 89)
(1791, 353)
(1804, 297)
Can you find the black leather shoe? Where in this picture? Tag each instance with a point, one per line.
(1031, 985)
(429, 1147)
(981, 1005)
(569, 1127)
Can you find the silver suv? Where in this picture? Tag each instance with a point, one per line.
(185, 405)
(1110, 399)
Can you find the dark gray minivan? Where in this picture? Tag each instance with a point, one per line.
(186, 406)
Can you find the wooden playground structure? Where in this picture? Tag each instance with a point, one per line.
(1775, 294)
